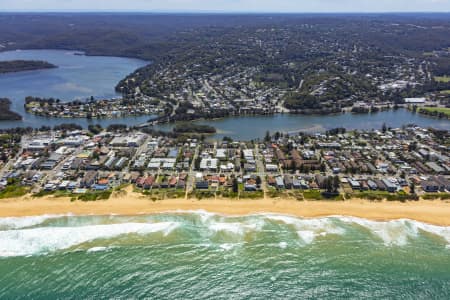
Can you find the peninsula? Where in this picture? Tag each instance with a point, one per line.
(5, 113)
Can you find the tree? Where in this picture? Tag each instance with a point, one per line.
(329, 184)
(290, 147)
(336, 183)
(323, 167)
(412, 188)
(235, 185)
(277, 135)
(267, 137)
(302, 168)
(95, 129)
(227, 139)
(412, 146)
(306, 169)
(197, 162)
(293, 166)
(95, 155)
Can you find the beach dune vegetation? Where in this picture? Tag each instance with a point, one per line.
(13, 191)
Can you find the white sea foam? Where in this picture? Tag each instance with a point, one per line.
(48, 239)
(307, 236)
(18, 239)
(227, 246)
(236, 228)
(282, 245)
(399, 232)
(443, 232)
(98, 249)
(309, 229)
(203, 214)
(396, 232)
(23, 222)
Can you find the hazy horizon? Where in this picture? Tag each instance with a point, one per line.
(228, 6)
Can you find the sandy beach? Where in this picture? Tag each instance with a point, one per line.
(130, 203)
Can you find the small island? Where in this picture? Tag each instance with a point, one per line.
(194, 128)
(5, 113)
(13, 66)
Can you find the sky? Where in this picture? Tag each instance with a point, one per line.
(229, 5)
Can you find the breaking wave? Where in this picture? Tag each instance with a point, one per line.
(399, 232)
(25, 242)
(309, 229)
(24, 222)
(44, 234)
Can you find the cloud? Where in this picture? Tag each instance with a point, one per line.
(231, 5)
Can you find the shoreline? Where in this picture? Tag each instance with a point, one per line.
(434, 212)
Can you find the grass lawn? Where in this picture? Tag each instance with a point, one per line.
(442, 78)
(444, 110)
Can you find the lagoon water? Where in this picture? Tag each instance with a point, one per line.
(77, 77)
(253, 127)
(199, 255)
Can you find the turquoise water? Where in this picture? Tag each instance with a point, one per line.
(198, 255)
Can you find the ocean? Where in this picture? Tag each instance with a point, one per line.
(200, 255)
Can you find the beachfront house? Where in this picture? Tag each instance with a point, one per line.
(430, 186)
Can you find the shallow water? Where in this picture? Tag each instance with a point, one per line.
(198, 255)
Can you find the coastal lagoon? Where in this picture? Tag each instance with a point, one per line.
(253, 127)
(80, 77)
(77, 77)
(200, 255)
